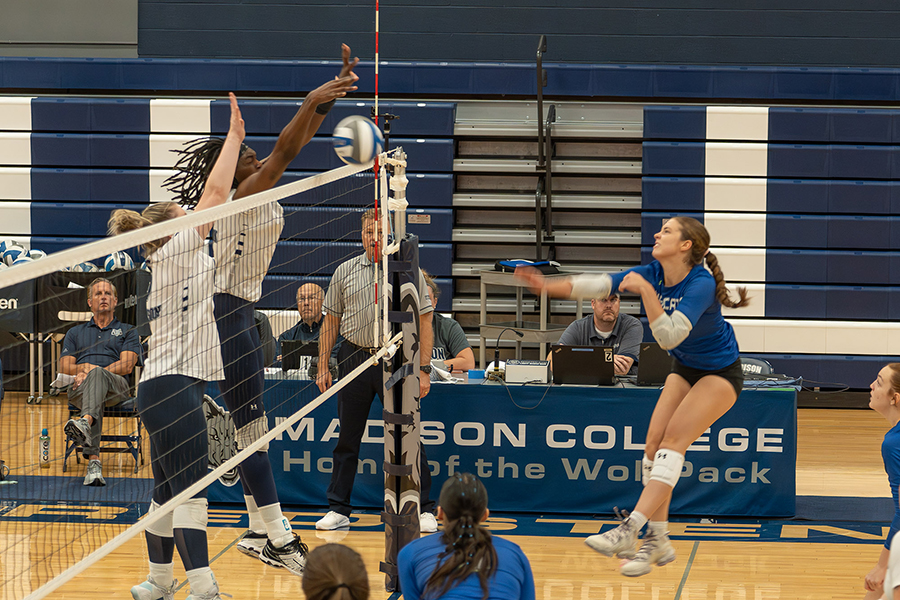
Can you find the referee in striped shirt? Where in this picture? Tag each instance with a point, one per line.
(350, 309)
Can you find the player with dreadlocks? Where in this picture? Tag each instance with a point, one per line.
(243, 246)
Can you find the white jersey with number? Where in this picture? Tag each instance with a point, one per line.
(184, 338)
(244, 244)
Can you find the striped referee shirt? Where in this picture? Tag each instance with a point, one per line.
(184, 338)
(351, 298)
(244, 245)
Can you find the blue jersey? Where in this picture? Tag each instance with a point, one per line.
(511, 581)
(711, 344)
(890, 453)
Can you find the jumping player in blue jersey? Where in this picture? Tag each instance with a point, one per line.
(885, 399)
(683, 301)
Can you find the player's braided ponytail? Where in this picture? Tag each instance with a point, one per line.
(469, 548)
(693, 230)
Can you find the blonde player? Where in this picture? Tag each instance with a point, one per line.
(183, 355)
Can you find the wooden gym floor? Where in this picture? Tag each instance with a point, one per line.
(838, 455)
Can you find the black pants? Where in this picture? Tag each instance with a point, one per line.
(354, 402)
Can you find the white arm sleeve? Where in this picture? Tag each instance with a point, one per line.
(590, 286)
(670, 331)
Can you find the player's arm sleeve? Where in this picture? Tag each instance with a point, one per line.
(632, 335)
(590, 286)
(456, 340)
(671, 330)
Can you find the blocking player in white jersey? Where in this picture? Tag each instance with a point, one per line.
(244, 245)
(183, 356)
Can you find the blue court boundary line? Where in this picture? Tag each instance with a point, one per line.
(687, 570)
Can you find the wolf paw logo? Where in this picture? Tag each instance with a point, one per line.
(222, 439)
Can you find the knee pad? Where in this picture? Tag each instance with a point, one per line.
(193, 514)
(646, 469)
(251, 432)
(163, 527)
(667, 466)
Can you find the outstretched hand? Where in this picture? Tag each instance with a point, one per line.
(334, 89)
(531, 277)
(237, 123)
(349, 65)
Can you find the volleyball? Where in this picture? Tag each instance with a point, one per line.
(357, 140)
(118, 260)
(36, 254)
(21, 260)
(85, 267)
(12, 252)
(4, 244)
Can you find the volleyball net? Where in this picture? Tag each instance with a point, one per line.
(53, 525)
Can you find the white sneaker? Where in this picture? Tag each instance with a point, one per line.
(427, 523)
(619, 541)
(333, 520)
(654, 551)
(252, 543)
(150, 591)
(94, 475)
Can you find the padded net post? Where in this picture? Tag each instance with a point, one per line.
(402, 447)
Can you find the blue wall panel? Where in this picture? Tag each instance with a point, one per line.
(673, 158)
(97, 185)
(672, 193)
(795, 302)
(119, 115)
(675, 123)
(62, 219)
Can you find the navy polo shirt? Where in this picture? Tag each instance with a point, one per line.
(306, 333)
(90, 344)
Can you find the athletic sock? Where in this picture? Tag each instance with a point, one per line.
(203, 582)
(277, 526)
(637, 519)
(658, 528)
(257, 525)
(162, 575)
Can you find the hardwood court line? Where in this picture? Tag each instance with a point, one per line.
(687, 570)
(213, 559)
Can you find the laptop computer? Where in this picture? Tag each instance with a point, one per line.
(296, 354)
(654, 364)
(583, 365)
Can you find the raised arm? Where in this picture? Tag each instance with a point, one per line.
(301, 129)
(218, 184)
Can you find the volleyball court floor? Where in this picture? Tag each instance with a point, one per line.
(843, 496)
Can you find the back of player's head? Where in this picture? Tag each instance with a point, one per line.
(894, 381)
(123, 220)
(432, 285)
(335, 572)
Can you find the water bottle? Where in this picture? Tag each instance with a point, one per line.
(45, 449)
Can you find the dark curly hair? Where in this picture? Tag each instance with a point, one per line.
(194, 164)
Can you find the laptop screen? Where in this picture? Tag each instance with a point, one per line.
(583, 365)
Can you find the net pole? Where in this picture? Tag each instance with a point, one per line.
(402, 491)
(210, 477)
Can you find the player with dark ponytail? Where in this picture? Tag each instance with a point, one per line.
(684, 308)
(465, 558)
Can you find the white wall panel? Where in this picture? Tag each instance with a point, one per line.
(796, 336)
(750, 334)
(734, 194)
(179, 116)
(741, 230)
(15, 149)
(857, 338)
(15, 183)
(15, 114)
(737, 160)
(742, 264)
(157, 192)
(15, 218)
(737, 123)
(161, 146)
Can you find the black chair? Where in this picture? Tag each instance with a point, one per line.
(755, 366)
(133, 442)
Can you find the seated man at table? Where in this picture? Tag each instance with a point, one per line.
(309, 304)
(100, 354)
(607, 327)
(450, 343)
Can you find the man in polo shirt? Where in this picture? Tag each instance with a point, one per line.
(309, 304)
(100, 354)
(350, 310)
(606, 327)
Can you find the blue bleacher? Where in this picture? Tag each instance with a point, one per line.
(90, 185)
(62, 219)
(119, 115)
(675, 123)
